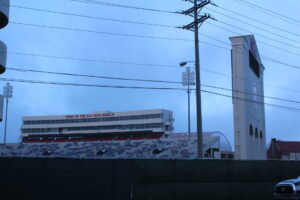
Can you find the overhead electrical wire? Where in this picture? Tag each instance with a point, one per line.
(144, 23)
(91, 17)
(259, 21)
(143, 88)
(257, 27)
(91, 85)
(228, 44)
(141, 23)
(144, 80)
(89, 60)
(151, 24)
(253, 101)
(266, 37)
(111, 33)
(142, 64)
(143, 36)
(270, 12)
(149, 9)
(262, 42)
(159, 25)
(90, 76)
(123, 6)
(100, 32)
(134, 22)
(248, 80)
(138, 64)
(72, 14)
(156, 10)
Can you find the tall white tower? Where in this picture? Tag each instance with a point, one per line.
(248, 101)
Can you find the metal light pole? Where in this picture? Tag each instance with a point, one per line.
(7, 93)
(188, 79)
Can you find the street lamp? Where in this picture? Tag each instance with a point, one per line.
(188, 79)
(7, 93)
(198, 102)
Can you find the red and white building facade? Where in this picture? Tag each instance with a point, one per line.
(104, 125)
(284, 150)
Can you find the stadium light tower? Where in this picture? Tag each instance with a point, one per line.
(7, 93)
(188, 79)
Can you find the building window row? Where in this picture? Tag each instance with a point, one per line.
(102, 119)
(252, 132)
(94, 128)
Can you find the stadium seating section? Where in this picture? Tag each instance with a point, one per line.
(165, 148)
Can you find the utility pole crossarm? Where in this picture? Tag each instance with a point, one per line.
(199, 21)
(212, 3)
(199, 7)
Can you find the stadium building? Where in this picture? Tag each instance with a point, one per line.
(98, 126)
(114, 135)
(180, 146)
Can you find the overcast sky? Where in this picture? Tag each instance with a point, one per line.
(36, 99)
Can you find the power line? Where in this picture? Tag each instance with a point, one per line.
(142, 23)
(147, 65)
(158, 25)
(257, 27)
(89, 85)
(126, 6)
(102, 3)
(268, 11)
(154, 37)
(19, 80)
(90, 76)
(248, 93)
(252, 101)
(279, 62)
(176, 12)
(248, 80)
(91, 17)
(143, 88)
(144, 80)
(262, 56)
(265, 43)
(266, 37)
(90, 60)
(161, 25)
(117, 20)
(149, 37)
(261, 22)
(100, 32)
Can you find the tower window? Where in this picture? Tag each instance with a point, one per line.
(251, 130)
(256, 133)
(254, 64)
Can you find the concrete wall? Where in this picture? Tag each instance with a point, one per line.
(141, 179)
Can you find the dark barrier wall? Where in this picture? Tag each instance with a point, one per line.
(56, 179)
